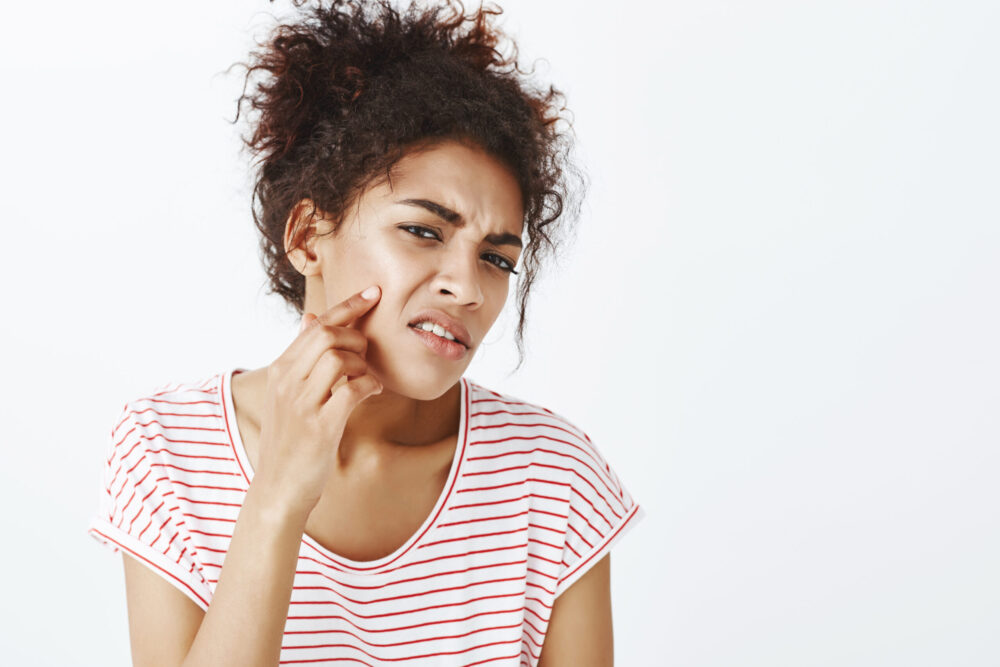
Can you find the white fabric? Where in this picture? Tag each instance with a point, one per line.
(529, 506)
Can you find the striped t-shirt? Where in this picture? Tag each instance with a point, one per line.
(530, 505)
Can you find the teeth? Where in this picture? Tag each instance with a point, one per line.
(435, 329)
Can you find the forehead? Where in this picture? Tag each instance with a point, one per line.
(465, 179)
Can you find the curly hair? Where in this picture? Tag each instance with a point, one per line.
(340, 94)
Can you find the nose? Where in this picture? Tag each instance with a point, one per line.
(458, 275)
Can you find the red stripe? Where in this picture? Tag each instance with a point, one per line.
(407, 611)
(210, 518)
(172, 414)
(483, 662)
(339, 659)
(502, 400)
(209, 502)
(201, 486)
(191, 470)
(188, 456)
(518, 483)
(507, 500)
(393, 644)
(473, 537)
(483, 518)
(462, 554)
(401, 628)
(509, 412)
(201, 532)
(179, 428)
(160, 400)
(607, 540)
(401, 581)
(527, 425)
(405, 657)
(150, 523)
(152, 436)
(392, 598)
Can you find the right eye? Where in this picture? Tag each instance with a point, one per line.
(420, 231)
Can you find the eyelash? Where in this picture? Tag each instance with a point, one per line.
(426, 229)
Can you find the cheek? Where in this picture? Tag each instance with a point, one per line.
(498, 297)
(359, 267)
(384, 324)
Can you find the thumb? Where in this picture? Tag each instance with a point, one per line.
(307, 318)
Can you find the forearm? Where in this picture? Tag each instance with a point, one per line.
(245, 621)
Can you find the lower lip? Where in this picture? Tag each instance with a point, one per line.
(446, 348)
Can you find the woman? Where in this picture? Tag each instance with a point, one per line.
(358, 500)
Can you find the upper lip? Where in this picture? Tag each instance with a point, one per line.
(450, 324)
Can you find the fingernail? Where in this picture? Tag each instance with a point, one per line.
(370, 293)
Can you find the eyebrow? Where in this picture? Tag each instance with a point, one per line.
(455, 219)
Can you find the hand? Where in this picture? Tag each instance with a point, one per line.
(311, 390)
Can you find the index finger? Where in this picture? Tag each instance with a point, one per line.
(351, 308)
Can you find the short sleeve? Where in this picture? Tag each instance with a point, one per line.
(137, 511)
(601, 511)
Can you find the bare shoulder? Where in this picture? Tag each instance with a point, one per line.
(162, 621)
(580, 628)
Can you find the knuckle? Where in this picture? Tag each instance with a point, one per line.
(281, 386)
(333, 354)
(331, 334)
(335, 358)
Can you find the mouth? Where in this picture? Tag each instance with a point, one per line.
(449, 349)
(442, 325)
(448, 336)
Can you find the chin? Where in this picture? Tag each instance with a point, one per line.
(420, 379)
(421, 388)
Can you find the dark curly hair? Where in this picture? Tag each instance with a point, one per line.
(340, 94)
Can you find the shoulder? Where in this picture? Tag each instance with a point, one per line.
(554, 440)
(579, 506)
(166, 407)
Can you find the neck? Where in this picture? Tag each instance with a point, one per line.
(379, 426)
(396, 420)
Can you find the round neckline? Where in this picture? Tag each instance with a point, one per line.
(239, 450)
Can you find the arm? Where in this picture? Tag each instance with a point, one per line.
(245, 622)
(307, 407)
(580, 629)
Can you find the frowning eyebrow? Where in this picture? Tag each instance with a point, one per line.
(455, 219)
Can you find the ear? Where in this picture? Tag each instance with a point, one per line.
(300, 237)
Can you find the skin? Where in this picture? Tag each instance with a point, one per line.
(409, 429)
(457, 275)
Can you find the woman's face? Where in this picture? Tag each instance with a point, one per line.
(439, 241)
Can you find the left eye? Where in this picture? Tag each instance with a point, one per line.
(500, 262)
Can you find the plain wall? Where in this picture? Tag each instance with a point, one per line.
(779, 320)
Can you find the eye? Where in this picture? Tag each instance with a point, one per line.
(501, 263)
(419, 231)
(496, 260)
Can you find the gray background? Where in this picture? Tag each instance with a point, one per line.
(779, 321)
